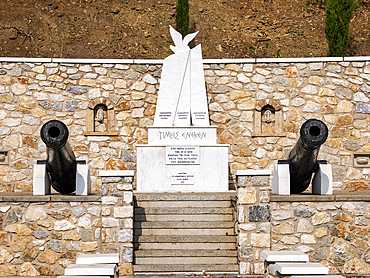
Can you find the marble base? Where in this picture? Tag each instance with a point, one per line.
(210, 175)
(301, 268)
(41, 181)
(112, 258)
(284, 256)
(83, 180)
(281, 180)
(91, 270)
(322, 182)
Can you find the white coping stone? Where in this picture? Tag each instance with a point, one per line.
(205, 61)
(41, 181)
(357, 58)
(229, 61)
(116, 173)
(301, 268)
(91, 269)
(167, 136)
(299, 60)
(25, 60)
(143, 61)
(154, 175)
(83, 180)
(322, 182)
(92, 61)
(281, 180)
(252, 173)
(98, 259)
(285, 256)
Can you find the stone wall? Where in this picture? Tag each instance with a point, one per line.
(42, 235)
(32, 92)
(253, 211)
(332, 233)
(332, 229)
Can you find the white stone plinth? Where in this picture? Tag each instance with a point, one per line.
(301, 268)
(98, 259)
(281, 180)
(41, 181)
(322, 182)
(284, 256)
(154, 175)
(91, 269)
(83, 179)
(182, 136)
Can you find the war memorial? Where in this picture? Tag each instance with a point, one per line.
(185, 166)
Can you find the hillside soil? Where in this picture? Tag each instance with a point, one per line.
(126, 29)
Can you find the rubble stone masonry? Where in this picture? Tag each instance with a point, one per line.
(43, 236)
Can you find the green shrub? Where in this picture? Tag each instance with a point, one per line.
(338, 16)
(182, 17)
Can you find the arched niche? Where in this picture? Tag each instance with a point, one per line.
(100, 117)
(268, 119)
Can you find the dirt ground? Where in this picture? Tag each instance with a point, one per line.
(139, 29)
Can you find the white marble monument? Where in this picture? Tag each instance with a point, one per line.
(182, 152)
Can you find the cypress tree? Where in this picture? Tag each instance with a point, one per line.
(182, 17)
(338, 16)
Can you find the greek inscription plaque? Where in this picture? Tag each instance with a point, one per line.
(182, 155)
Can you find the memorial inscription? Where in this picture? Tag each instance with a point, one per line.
(182, 178)
(182, 155)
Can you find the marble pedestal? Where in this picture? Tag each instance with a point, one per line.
(209, 174)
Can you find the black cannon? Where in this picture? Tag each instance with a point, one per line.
(61, 162)
(303, 157)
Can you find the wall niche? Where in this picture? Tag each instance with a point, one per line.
(268, 119)
(100, 118)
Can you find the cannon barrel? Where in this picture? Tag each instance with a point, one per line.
(303, 157)
(61, 161)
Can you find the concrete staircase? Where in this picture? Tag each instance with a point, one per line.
(178, 233)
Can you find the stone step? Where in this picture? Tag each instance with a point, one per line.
(182, 211)
(184, 232)
(183, 204)
(184, 217)
(233, 268)
(184, 225)
(186, 260)
(185, 246)
(98, 259)
(301, 268)
(184, 239)
(185, 253)
(91, 269)
(214, 196)
(284, 256)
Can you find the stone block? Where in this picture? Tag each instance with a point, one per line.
(260, 240)
(259, 213)
(246, 254)
(260, 181)
(243, 181)
(247, 195)
(125, 235)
